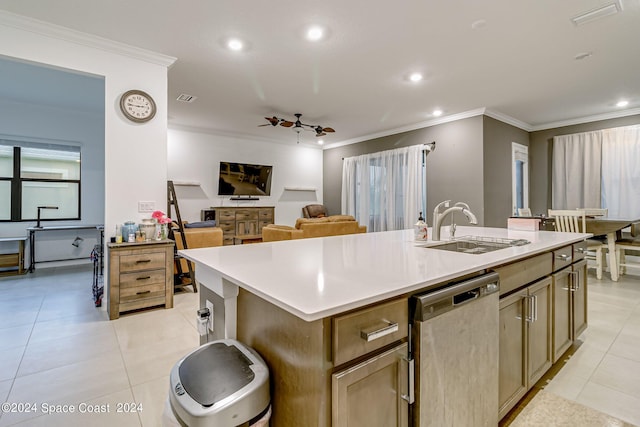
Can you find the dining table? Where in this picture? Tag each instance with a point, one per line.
(611, 228)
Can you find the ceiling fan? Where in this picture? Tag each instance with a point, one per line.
(297, 126)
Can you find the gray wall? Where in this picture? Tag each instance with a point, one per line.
(540, 155)
(498, 137)
(454, 169)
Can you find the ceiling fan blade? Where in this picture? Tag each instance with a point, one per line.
(273, 120)
(286, 123)
(328, 129)
(266, 124)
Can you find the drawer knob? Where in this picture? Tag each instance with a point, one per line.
(390, 328)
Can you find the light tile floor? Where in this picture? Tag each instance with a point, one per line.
(56, 348)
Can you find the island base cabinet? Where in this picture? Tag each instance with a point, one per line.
(562, 326)
(370, 393)
(579, 298)
(525, 341)
(569, 306)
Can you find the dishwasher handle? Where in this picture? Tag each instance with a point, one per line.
(432, 304)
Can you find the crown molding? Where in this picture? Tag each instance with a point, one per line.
(508, 120)
(62, 33)
(588, 119)
(421, 125)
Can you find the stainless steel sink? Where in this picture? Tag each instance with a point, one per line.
(478, 245)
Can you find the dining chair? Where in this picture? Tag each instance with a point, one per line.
(524, 212)
(575, 221)
(625, 244)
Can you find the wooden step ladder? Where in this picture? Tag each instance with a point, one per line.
(172, 200)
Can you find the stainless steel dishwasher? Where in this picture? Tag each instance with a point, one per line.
(455, 346)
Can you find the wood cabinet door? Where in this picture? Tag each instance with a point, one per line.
(512, 361)
(562, 328)
(579, 298)
(540, 331)
(370, 393)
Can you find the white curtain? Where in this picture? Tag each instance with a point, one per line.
(385, 190)
(576, 174)
(621, 171)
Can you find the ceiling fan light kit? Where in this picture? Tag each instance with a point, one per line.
(297, 125)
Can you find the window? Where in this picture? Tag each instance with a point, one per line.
(519, 177)
(33, 175)
(385, 190)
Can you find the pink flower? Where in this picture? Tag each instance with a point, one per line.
(161, 217)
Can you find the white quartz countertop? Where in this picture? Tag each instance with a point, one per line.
(320, 277)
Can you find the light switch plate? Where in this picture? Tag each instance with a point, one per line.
(146, 206)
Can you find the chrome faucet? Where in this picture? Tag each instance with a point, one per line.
(439, 217)
(452, 229)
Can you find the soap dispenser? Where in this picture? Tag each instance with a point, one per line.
(421, 229)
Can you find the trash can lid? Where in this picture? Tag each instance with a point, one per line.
(214, 372)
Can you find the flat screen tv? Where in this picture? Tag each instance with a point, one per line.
(242, 179)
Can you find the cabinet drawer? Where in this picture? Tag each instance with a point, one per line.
(154, 290)
(266, 215)
(131, 280)
(562, 257)
(514, 276)
(242, 215)
(138, 303)
(225, 214)
(227, 226)
(579, 250)
(361, 332)
(142, 261)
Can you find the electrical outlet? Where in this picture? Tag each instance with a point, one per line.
(210, 323)
(146, 206)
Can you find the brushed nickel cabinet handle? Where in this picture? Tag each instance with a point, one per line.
(410, 396)
(563, 257)
(379, 333)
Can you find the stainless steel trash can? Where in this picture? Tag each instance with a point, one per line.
(222, 383)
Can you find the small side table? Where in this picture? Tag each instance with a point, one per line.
(243, 239)
(13, 260)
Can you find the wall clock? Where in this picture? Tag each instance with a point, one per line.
(137, 106)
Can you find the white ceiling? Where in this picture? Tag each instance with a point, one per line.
(519, 64)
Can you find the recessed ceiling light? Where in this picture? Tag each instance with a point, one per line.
(437, 113)
(315, 33)
(415, 77)
(608, 9)
(235, 44)
(320, 141)
(622, 103)
(583, 55)
(479, 24)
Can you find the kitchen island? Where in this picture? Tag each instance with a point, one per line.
(299, 302)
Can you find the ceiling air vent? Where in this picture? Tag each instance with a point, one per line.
(610, 8)
(186, 98)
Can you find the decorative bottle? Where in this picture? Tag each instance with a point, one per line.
(420, 229)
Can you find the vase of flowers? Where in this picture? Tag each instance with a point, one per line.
(162, 230)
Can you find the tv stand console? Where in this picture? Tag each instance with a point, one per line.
(240, 221)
